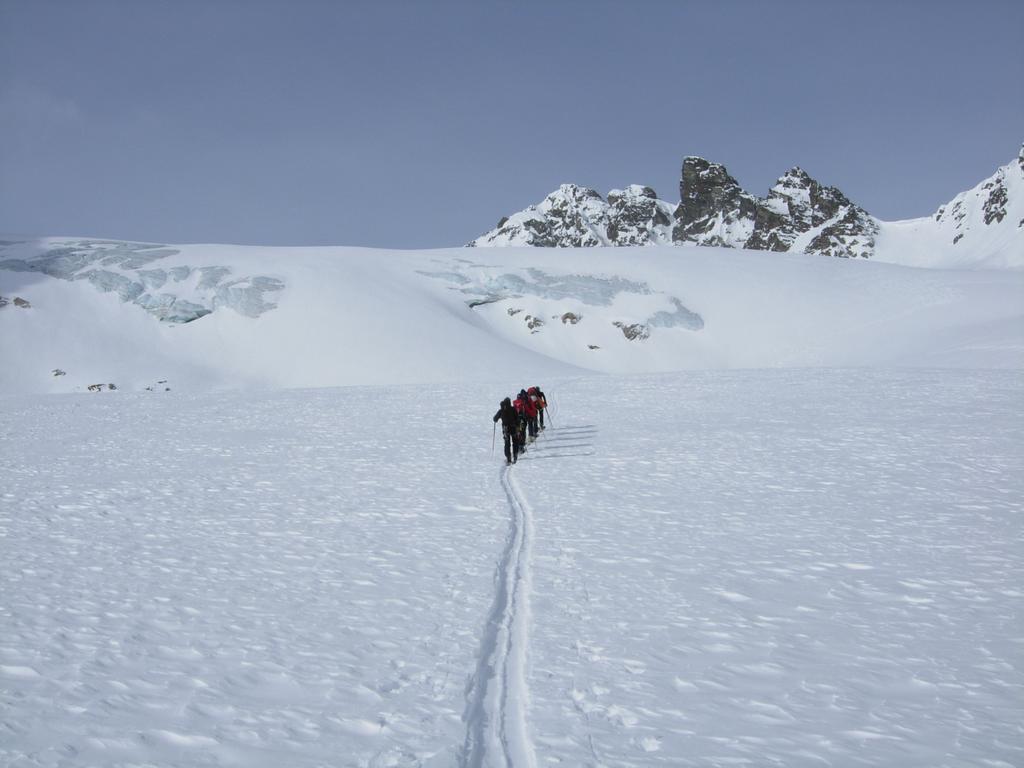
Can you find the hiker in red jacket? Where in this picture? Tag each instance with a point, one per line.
(537, 399)
(530, 409)
(520, 404)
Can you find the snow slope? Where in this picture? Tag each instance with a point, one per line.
(980, 228)
(704, 568)
(302, 317)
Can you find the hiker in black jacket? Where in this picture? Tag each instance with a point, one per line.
(509, 430)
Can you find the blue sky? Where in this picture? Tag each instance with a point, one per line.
(419, 124)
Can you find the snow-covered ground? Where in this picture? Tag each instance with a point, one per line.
(800, 567)
(776, 519)
(342, 316)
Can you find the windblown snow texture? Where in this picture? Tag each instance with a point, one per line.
(764, 567)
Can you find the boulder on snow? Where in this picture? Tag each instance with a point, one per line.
(633, 331)
(533, 323)
(16, 301)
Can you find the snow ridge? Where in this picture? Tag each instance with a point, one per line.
(497, 733)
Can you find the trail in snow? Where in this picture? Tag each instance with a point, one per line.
(497, 733)
(799, 568)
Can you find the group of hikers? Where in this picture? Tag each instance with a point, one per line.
(521, 419)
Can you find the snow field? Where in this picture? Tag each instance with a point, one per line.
(350, 316)
(790, 568)
(793, 567)
(281, 579)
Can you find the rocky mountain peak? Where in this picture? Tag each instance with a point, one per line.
(712, 205)
(796, 178)
(796, 172)
(632, 191)
(573, 193)
(573, 216)
(637, 217)
(705, 185)
(798, 214)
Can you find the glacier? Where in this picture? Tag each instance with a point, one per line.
(127, 269)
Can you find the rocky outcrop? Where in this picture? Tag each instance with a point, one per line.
(799, 213)
(17, 301)
(633, 331)
(576, 217)
(713, 209)
(637, 217)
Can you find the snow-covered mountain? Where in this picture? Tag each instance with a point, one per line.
(981, 227)
(799, 214)
(574, 216)
(77, 313)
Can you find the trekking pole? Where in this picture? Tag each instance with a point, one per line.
(494, 433)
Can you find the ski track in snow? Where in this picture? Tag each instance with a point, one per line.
(497, 731)
(791, 568)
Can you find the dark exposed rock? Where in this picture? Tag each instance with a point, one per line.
(16, 301)
(710, 203)
(635, 215)
(574, 216)
(715, 210)
(474, 303)
(633, 331)
(995, 204)
(851, 236)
